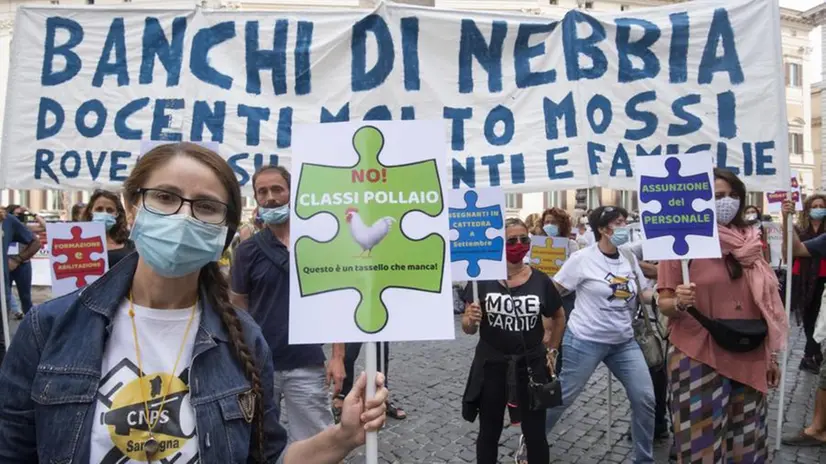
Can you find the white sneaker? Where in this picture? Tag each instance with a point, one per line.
(521, 456)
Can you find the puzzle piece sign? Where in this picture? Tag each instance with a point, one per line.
(677, 208)
(369, 232)
(548, 254)
(77, 255)
(477, 229)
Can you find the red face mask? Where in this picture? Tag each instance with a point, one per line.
(515, 253)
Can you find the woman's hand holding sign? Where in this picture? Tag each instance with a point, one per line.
(685, 296)
(472, 318)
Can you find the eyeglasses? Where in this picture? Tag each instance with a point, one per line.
(524, 240)
(164, 203)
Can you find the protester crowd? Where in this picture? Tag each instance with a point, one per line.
(204, 301)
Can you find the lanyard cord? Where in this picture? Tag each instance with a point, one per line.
(151, 425)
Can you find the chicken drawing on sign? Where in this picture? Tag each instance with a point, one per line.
(367, 237)
(371, 249)
(548, 254)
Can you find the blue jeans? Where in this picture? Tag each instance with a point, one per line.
(626, 362)
(11, 301)
(22, 278)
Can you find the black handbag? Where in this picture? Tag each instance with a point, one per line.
(735, 335)
(541, 395)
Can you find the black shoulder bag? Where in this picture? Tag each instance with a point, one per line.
(735, 335)
(541, 396)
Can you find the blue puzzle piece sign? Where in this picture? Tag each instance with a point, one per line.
(677, 217)
(473, 223)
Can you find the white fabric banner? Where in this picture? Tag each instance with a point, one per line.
(531, 103)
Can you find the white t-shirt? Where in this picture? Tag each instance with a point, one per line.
(606, 295)
(586, 238)
(120, 428)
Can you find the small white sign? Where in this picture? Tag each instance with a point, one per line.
(774, 237)
(774, 200)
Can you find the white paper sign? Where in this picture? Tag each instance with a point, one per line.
(774, 236)
(77, 254)
(530, 103)
(369, 233)
(677, 208)
(477, 234)
(774, 200)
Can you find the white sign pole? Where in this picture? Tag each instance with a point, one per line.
(785, 358)
(475, 292)
(610, 411)
(3, 302)
(371, 454)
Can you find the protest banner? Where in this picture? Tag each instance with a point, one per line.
(477, 234)
(774, 200)
(77, 254)
(369, 233)
(677, 208)
(531, 103)
(548, 254)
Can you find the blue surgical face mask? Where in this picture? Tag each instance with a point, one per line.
(107, 219)
(817, 213)
(177, 245)
(620, 236)
(277, 215)
(551, 230)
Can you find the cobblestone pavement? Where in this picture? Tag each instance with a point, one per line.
(427, 380)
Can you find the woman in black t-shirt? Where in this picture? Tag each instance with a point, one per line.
(519, 321)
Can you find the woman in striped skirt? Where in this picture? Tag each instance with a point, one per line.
(718, 403)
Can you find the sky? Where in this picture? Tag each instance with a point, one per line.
(814, 38)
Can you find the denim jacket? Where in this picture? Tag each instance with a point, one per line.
(50, 375)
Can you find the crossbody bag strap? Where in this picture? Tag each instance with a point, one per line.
(281, 260)
(632, 260)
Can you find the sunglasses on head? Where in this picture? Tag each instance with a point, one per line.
(524, 240)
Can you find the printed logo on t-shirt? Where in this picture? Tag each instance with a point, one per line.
(622, 290)
(512, 313)
(122, 392)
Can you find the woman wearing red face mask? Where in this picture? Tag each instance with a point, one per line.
(510, 340)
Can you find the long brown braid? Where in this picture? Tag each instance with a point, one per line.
(217, 292)
(211, 280)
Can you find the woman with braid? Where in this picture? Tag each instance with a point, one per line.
(151, 363)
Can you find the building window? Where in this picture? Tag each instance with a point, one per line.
(90, 2)
(625, 7)
(557, 199)
(796, 144)
(553, 2)
(23, 198)
(794, 75)
(589, 5)
(513, 201)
